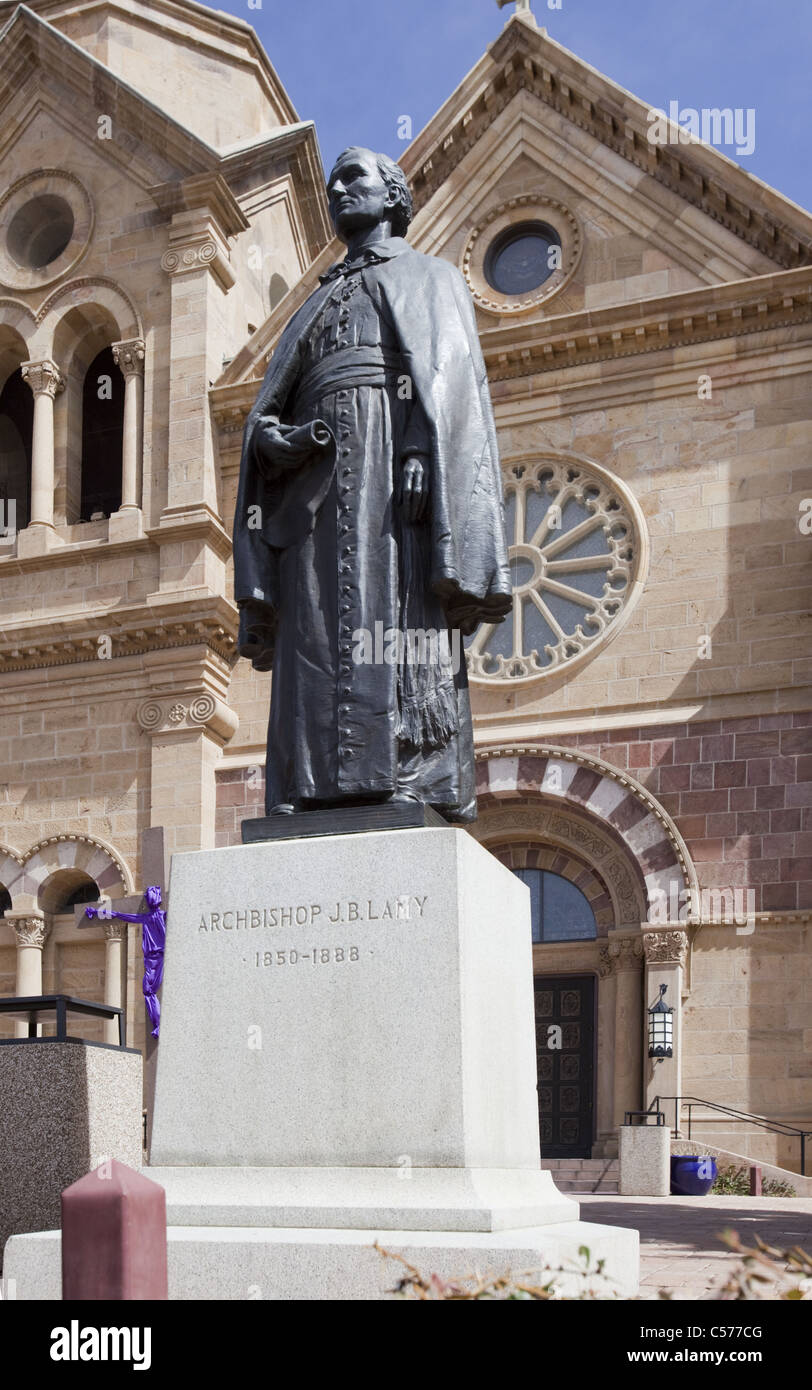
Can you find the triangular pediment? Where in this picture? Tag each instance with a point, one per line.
(200, 65)
(43, 71)
(45, 76)
(531, 126)
(530, 98)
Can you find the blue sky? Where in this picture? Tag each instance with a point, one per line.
(355, 66)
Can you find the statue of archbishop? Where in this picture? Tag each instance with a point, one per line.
(369, 529)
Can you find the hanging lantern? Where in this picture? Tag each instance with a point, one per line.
(661, 1028)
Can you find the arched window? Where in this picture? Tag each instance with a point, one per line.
(558, 910)
(277, 289)
(16, 431)
(66, 889)
(102, 436)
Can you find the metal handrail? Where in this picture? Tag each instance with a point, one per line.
(774, 1126)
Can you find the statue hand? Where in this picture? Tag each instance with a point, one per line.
(274, 449)
(414, 489)
(91, 912)
(257, 634)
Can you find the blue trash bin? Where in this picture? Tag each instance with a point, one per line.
(692, 1175)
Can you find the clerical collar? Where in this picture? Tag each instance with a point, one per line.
(370, 255)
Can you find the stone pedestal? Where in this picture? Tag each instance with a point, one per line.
(348, 1056)
(645, 1160)
(65, 1107)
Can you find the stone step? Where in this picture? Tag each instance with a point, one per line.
(588, 1187)
(580, 1165)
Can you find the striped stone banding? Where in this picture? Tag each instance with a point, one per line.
(591, 786)
(528, 854)
(29, 872)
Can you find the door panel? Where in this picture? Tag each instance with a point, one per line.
(566, 1074)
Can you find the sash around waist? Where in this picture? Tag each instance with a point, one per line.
(346, 368)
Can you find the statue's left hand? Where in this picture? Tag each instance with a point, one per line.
(414, 489)
(257, 634)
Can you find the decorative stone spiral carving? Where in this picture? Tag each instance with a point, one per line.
(202, 708)
(150, 715)
(188, 257)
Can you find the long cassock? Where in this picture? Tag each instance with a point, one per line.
(385, 354)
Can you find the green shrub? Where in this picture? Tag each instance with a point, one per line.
(735, 1182)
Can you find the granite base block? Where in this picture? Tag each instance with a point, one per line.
(645, 1160)
(357, 1000)
(426, 1199)
(207, 1263)
(65, 1107)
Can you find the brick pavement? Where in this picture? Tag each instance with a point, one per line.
(679, 1248)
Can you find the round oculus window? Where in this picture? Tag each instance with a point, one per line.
(40, 230)
(522, 257)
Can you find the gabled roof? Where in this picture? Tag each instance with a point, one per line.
(524, 57)
(152, 147)
(180, 24)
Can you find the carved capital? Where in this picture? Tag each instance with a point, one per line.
(665, 947)
(605, 962)
(31, 930)
(626, 953)
(44, 378)
(191, 257)
(195, 710)
(113, 930)
(129, 356)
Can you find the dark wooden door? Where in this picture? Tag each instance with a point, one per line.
(565, 1053)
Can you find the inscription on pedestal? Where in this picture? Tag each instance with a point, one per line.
(403, 908)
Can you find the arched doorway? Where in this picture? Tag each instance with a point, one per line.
(553, 814)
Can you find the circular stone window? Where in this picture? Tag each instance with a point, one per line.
(48, 222)
(40, 230)
(521, 254)
(520, 259)
(578, 550)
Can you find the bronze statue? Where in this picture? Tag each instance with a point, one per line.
(369, 530)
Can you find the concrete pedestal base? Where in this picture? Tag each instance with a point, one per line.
(64, 1107)
(348, 1056)
(645, 1161)
(300, 1264)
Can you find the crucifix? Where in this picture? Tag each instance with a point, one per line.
(113, 916)
(521, 5)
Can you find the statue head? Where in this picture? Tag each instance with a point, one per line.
(153, 896)
(365, 189)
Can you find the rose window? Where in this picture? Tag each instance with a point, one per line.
(574, 553)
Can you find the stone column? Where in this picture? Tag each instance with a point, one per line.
(45, 380)
(626, 953)
(115, 965)
(605, 1132)
(129, 358)
(666, 954)
(187, 732)
(30, 934)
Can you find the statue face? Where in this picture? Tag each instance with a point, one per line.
(358, 196)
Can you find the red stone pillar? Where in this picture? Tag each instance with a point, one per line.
(114, 1236)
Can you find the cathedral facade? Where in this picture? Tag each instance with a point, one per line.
(642, 721)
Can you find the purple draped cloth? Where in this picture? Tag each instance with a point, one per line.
(153, 941)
